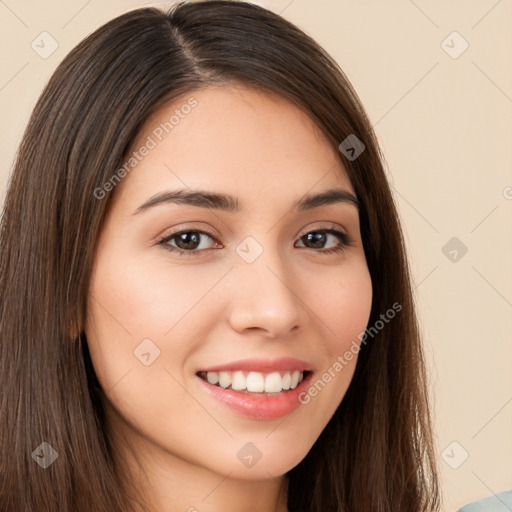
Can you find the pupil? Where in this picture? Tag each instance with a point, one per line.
(316, 238)
(185, 239)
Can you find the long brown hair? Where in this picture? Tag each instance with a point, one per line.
(376, 453)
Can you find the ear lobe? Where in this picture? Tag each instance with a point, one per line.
(74, 332)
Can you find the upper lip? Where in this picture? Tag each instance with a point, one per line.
(282, 364)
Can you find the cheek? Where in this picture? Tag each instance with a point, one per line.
(343, 304)
(147, 299)
(132, 306)
(141, 327)
(146, 317)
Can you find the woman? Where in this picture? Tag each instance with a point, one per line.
(206, 302)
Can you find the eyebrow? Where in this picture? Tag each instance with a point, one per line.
(229, 203)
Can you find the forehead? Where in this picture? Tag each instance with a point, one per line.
(233, 139)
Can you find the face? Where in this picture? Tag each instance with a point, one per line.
(263, 295)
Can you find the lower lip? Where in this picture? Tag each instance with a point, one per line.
(262, 407)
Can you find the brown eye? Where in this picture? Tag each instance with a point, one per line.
(186, 242)
(192, 242)
(317, 239)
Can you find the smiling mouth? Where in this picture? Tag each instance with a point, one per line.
(259, 383)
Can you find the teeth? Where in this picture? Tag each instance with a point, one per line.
(224, 379)
(256, 382)
(212, 377)
(239, 381)
(295, 380)
(273, 383)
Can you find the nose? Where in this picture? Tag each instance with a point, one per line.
(263, 298)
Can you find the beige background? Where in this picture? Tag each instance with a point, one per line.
(445, 125)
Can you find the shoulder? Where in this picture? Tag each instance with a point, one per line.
(499, 502)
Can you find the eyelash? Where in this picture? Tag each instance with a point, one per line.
(345, 240)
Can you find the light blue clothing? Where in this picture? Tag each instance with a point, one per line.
(499, 502)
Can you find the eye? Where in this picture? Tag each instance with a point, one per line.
(188, 242)
(319, 238)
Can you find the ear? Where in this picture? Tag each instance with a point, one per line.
(74, 331)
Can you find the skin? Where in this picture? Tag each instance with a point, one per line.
(213, 307)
